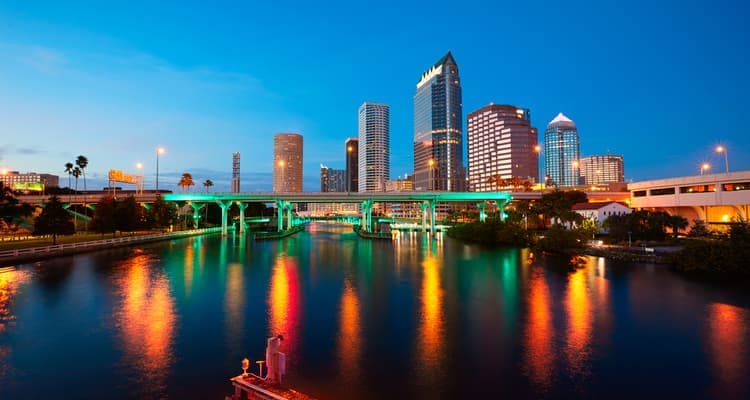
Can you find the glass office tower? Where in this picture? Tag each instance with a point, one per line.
(374, 147)
(438, 133)
(562, 153)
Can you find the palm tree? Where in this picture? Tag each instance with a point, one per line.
(76, 173)
(69, 170)
(82, 162)
(208, 183)
(186, 181)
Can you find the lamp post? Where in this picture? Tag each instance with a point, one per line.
(349, 150)
(722, 149)
(431, 163)
(139, 188)
(159, 151)
(538, 152)
(705, 167)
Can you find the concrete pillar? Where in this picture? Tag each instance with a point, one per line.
(196, 212)
(289, 215)
(432, 218)
(501, 208)
(369, 218)
(423, 207)
(242, 206)
(482, 214)
(224, 208)
(280, 215)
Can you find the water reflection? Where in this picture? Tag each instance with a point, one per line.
(431, 316)
(728, 341)
(539, 336)
(284, 303)
(234, 307)
(146, 319)
(11, 280)
(578, 310)
(350, 334)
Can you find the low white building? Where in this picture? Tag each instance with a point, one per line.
(601, 211)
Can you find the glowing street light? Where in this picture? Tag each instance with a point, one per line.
(159, 151)
(722, 149)
(139, 166)
(705, 167)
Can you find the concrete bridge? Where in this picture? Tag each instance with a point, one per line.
(714, 198)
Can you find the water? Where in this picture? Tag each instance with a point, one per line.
(365, 319)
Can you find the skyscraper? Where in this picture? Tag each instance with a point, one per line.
(374, 147)
(332, 180)
(501, 143)
(352, 164)
(287, 162)
(562, 152)
(438, 133)
(600, 170)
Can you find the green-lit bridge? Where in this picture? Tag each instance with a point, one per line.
(285, 201)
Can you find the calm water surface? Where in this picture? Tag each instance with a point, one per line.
(364, 319)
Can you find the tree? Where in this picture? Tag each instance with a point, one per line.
(558, 205)
(699, 229)
(104, 217)
(676, 223)
(186, 181)
(162, 214)
(69, 171)
(54, 220)
(76, 173)
(12, 211)
(128, 215)
(208, 183)
(83, 162)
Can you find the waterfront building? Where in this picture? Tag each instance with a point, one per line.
(374, 147)
(438, 133)
(602, 170)
(287, 162)
(332, 180)
(562, 153)
(352, 164)
(30, 181)
(404, 184)
(501, 144)
(599, 212)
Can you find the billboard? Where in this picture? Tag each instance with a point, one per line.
(28, 186)
(116, 175)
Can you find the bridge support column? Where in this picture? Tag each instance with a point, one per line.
(242, 206)
(366, 223)
(280, 215)
(482, 214)
(289, 215)
(432, 218)
(501, 208)
(423, 207)
(197, 207)
(224, 208)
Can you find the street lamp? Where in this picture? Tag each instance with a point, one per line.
(139, 166)
(349, 168)
(705, 167)
(538, 152)
(159, 151)
(722, 149)
(431, 163)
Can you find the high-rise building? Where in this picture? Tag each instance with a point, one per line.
(287, 162)
(501, 144)
(405, 184)
(438, 133)
(332, 180)
(236, 173)
(352, 164)
(601, 170)
(562, 153)
(374, 147)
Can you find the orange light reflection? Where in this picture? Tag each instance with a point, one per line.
(284, 304)
(350, 331)
(539, 333)
(728, 341)
(431, 323)
(578, 308)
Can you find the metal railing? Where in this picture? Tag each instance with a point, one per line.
(104, 242)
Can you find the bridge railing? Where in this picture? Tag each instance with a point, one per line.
(104, 242)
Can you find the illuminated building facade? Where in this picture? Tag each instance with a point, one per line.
(601, 170)
(28, 181)
(404, 184)
(332, 180)
(438, 133)
(352, 164)
(374, 147)
(287, 162)
(501, 143)
(562, 152)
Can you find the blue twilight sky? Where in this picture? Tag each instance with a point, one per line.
(660, 82)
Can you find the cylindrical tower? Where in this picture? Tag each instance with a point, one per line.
(287, 162)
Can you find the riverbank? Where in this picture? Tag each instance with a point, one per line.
(8, 257)
(278, 234)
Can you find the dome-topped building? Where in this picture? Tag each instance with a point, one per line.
(562, 152)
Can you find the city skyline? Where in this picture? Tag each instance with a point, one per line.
(113, 87)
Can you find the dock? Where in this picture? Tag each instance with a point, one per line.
(252, 387)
